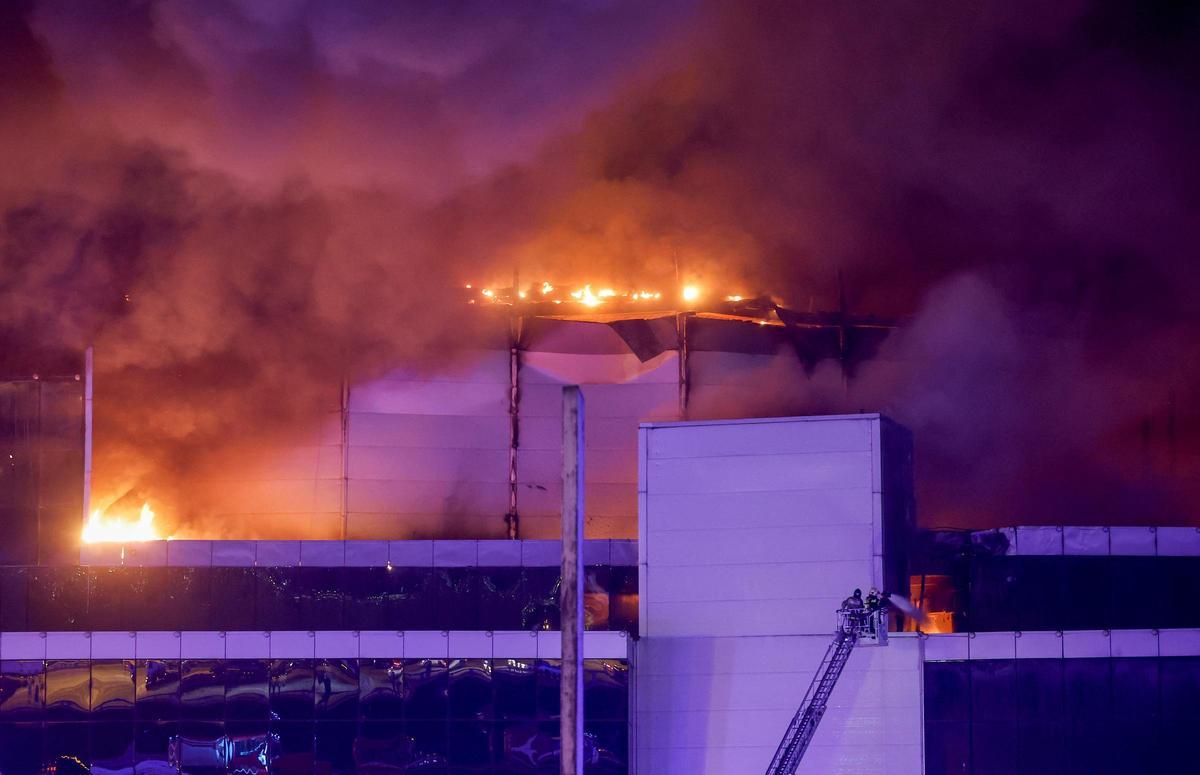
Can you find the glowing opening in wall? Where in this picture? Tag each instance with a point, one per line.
(101, 528)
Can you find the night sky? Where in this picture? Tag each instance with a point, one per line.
(234, 199)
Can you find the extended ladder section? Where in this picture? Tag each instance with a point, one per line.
(852, 625)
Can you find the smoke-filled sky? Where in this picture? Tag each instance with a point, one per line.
(233, 198)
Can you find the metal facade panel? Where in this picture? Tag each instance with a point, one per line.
(824, 544)
(386, 496)
(336, 643)
(1134, 643)
(1039, 540)
(423, 644)
(623, 552)
(277, 554)
(68, 645)
(469, 644)
(366, 554)
(455, 554)
(723, 617)
(502, 553)
(1039, 645)
(22, 645)
(432, 397)
(757, 581)
(189, 554)
(422, 431)
(1179, 541)
(201, 645)
(247, 644)
(411, 554)
(992, 645)
(1139, 541)
(947, 647)
(541, 554)
(118, 645)
(1172, 643)
(790, 533)
(514, 644)
(233, 553)
(146, 554)
(766, 438)
(383, 644)
(1085, 644)
(605, 645)
(428, 464)
(104, 555)
(756, 473)
(756, 510)
(598, 368)
(157, 644)
(549, 644)
(720, 705)
(291, 644)
(1085, 540)
(323, 554)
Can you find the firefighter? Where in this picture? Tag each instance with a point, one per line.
(873, 600)
(852, 612)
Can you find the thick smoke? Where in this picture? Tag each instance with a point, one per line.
(235, 200)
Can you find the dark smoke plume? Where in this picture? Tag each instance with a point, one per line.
(235, 200)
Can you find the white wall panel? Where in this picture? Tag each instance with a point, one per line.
(825, 544)
(721, 705)
(755, 510)
(767, 541)
(755, 473)
(773, 436)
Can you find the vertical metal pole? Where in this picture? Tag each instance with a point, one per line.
(345, 505)
(87, 434)
(681, 329)
(571, 688)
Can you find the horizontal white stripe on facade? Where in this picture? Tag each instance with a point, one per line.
(1116, 541)
(1071, 644)
(322, 644)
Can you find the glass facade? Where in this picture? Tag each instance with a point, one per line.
(298, 598)
(1055, 716)
(304, 716)
(1067, 593)
(41, 470)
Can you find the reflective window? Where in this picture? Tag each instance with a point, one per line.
(292, 690)
(426, 684)
(68, 689)
(336, 689)
(22, 691)
(246, 692)
(125, 599)
(1101, 716)
(202, 690)
(381, 688)
(206, 716)
(157, 689)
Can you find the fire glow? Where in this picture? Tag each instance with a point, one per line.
(101, 528)
(587, 295)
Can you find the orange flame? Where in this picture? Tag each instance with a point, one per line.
(105, 529)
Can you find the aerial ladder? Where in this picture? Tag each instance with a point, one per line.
(856, 626)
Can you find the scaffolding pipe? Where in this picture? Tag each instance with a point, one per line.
(87, 433)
